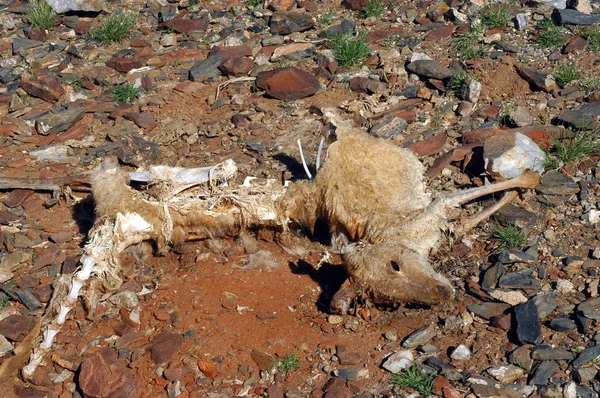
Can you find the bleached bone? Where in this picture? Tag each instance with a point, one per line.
(370, 192)
(308, 174)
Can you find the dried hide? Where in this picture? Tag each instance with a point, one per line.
(371, 193)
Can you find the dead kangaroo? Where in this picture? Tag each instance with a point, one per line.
(370, 192)
(373, 193)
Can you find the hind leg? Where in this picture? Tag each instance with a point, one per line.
(484, 214)
(529, 179)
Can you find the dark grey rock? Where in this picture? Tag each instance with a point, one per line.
(488, 310)
(564, 325)
(137, 151)
(537, 78)
(255, 146)
(430, 69)
(352, 373)
(54, 123)
(542, 373)
(492, 275)
(573, 17)
(520, 280)
(284, 23)
(346, 27)
(27, 298)
(528, 326)
(504, 46)
(586, 356)
(576, 119)
(590, 308)
(585, 374)
(444, 369)
(408, 92)
(419, 337)
(584, 391)
(389, 127)
(545, 352)
(545, 303)
(8, 75)
(511, 214)
(20, 43)
(515, 256)
(207, 68)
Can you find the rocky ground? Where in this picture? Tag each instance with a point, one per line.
(210, 81)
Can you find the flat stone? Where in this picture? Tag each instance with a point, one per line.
(488, 310)
(365, 85)
(164, 346)
(441, 33)
(123, 64)
(509, 155)
(237, 66)
(564, 325)
(537, 78)
(288, 84)
(348, 357)
(519, 280)
(138, 151)
(45, 87)
(16, 327)
(506, 374)
(29, 392)
(141, 119)
(292, 52)
(430, 69)
(263, 360)
(5, 345)
(542, 373)
(104, 376)
(556, 183)
(528, 325)
(582, 118)
(419, 337)
(461, 353)
(492, 275)
(429, 146)
(186, 26)
(511, 256)
(584, 375)
(284, 23)
(355, 5)
(511, 297)
(545, 303)
(27, 298)
(229, 52)
(547, 353)
(17, 198)
(444, 368)
(388, 127)
(208, 368)
(573, 17)
(345, 27)
(575, 43)
(54, 123)
(20, 43)
(520, 117)
(176, 373)
(352, 373)
(206, 69)
(486, 391)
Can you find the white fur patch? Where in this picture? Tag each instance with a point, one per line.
(131, 223)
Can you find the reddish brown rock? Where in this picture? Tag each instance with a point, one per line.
(141, 119)
(76, 132)
(365, 85)
(480, 135)
(164, 346)
(208, 368)
(44, 87)
(121, 64)
(29, 392)
(16, 327)
(430, 146)
(288, 84)
(355, 5)
(501, 321)
(228, 52)
(281, 5)
(181, 25)
(104, 376)
(237, 66)
(38, 34)
(576, 43)
(439, 383)
(443, 32)
(176, 373)
(17, 197)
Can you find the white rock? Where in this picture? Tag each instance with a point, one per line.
(61, 6)
(398, 361)
(594, 216)
(168, 40)
(520, 117)
(508, 155)
(506, 374)
(127, 299)
(512, 297)
(564, 286)
(471, 90)
(461, 353)
(5, 345)
(419, 56)
(53, 152)
(570, 390)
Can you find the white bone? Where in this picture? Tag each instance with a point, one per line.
(304, 161)
(62, 315)
(49, 335)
